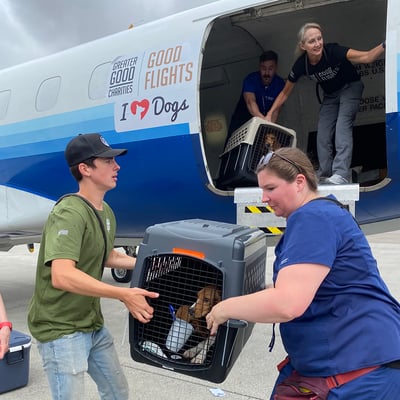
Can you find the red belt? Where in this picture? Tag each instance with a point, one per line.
(340, 379)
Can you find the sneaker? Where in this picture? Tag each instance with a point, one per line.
(336, 179)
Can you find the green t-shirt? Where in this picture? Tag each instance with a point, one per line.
(72, 231)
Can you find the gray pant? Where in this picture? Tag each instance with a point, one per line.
(336, 117)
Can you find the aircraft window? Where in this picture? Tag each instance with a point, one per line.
(4, 102)
(98, 81)
(47, 94)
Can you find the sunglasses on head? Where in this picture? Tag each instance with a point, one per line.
(265, 159)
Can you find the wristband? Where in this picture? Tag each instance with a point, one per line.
(6, 323)
(384, 44)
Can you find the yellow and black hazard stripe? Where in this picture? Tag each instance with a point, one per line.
(275, 230)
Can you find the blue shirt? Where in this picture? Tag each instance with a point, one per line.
(353, 321)
(265, 97)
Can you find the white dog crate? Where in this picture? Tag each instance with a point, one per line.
(182, 260)
(245, 148)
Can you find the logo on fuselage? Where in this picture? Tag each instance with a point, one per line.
(153, 89)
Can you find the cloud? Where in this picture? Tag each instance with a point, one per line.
(18, 39)
(32, 29)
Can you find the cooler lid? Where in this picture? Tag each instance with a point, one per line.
(18, 340)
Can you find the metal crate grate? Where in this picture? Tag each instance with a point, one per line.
(269, 138)
(255, 275)
(245, 148)
(178, 279)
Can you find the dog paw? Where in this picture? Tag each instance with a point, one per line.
(189, 354)
(198, 359)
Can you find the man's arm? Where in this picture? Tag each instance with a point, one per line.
(65, 276)
(117, 259)
(251, 104)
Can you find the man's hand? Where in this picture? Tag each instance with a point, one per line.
(135, 301)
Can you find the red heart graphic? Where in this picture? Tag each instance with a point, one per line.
(144, 104)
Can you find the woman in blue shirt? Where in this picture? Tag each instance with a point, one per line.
(337, 317)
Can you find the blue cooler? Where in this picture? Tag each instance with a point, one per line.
(14, 367)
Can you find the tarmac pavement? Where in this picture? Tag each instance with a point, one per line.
(252, 377)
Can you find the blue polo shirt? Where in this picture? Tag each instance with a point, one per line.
(353, 322)
(265, 97)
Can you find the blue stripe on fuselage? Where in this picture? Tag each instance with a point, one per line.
(51, 134)
(162, 177)
(160, 180)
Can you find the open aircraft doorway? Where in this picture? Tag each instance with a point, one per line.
(232, 51)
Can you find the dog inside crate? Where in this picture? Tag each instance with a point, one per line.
(188, 288)
(268, 138)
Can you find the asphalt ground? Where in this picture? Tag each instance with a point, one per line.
(252, 376)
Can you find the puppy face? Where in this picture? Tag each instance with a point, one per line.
(270, 139)
(206, 299)
(184, 312)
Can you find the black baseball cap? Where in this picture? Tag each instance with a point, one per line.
(85, 146)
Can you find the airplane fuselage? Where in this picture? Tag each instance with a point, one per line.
(166, 91)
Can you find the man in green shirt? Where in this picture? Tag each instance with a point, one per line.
(77, 243)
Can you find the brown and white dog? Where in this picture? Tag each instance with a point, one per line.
(271, 142)
(195, 314)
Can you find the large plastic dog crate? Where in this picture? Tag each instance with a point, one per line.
(179, 259)
(245, 148)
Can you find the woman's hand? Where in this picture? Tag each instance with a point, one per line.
(4, 341)
(216, 317)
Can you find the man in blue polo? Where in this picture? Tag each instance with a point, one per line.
(259, 91)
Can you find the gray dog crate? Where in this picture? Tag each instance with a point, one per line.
(178, 259)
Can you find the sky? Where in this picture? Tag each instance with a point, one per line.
(31, 29)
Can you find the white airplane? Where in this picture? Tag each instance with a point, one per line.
(166, 91)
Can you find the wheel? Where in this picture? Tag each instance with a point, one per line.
(121, 275)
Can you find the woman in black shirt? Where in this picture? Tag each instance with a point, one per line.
(330, 65)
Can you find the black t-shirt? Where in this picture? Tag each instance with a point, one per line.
(332, 72)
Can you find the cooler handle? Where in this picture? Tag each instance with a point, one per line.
(12, 358)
